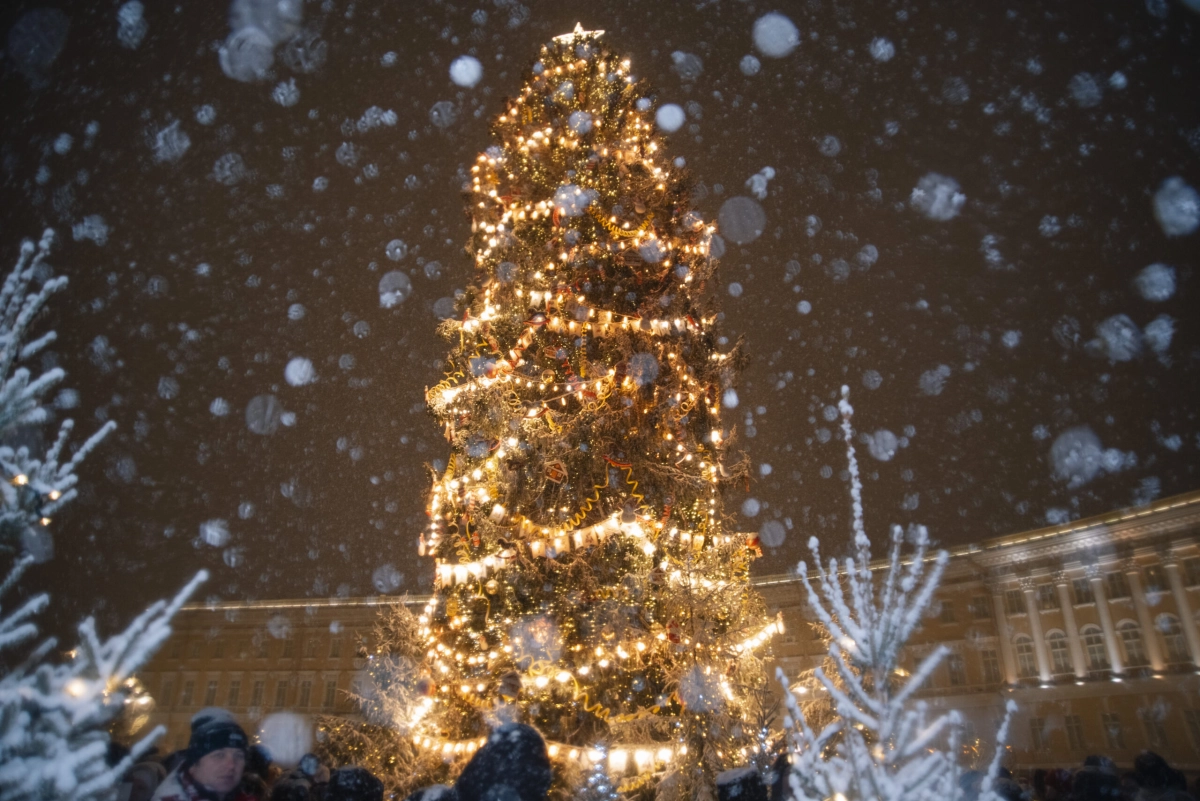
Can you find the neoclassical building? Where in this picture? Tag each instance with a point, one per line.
(1091, 627)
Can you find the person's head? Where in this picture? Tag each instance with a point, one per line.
(1152, 771)
(353, 784)
(291, 790)
(220, 770)
(1093, 784)
(216, 755)
(258, 760)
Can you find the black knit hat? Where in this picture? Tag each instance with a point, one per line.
(353, 784)
(213, 735)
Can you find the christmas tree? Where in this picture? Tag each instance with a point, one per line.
(587, 582)
(878, 741)
(54, 714)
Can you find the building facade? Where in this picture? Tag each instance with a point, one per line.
(1092, 627)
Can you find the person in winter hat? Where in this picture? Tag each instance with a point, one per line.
(213, 763)
(353, 784)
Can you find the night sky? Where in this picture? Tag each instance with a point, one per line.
(198, 273)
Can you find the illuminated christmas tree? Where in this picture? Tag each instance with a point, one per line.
(587, 582)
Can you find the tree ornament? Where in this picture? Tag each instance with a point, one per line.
(510, 686)
(556, 471)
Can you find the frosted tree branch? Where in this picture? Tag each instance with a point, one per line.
(881, 743)
(53, 714)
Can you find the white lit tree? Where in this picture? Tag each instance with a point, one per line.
(883, 743)
(53, 715)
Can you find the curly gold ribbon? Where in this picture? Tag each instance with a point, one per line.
(616, 231)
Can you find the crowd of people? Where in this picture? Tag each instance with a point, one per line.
(220, 764)
(1098, 779)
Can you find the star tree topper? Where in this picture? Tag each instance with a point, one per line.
(578, 33)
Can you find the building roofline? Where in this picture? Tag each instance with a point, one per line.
(1117, 518)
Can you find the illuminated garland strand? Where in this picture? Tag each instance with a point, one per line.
(622, 233)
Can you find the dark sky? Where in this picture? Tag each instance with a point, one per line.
(204, 290)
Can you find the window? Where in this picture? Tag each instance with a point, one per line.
(1060, 653)
(210, 694)
(1156, 732)
(305, 694)
(1172, 634)
(189, 689)
(1093, 644)
(1037, 733)
(335, 648)
(219, 649)
(958, 670)
(235, 689)
(1118, 585)
(256, 695)
(1047, 597)
(1026, 661)
(289, 648)
(1191, 571)
(196, 646)
(1014, 602)
(1156, 582)
(310, 647)
(280, 694)
(1114, 735)
(947, 613)
(260, 648)
(1192, 718)
(330, 694)
(176, 648)
(1075, 733)
(1083, 591)
(981, 607)
(168, 692)
(991, 667)
(1131, 639)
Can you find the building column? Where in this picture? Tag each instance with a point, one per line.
(1028, 587)
(1115, 662)
(1153, 652)
(1003, 635)
(1186, 621)
(1078, 661)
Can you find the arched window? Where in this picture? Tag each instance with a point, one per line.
(1131, 638)
(1172, 634)
(1093, 643)
(1060, 653)
(1026, 662)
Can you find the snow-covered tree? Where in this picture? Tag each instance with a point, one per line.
(53, 716)
(882, 743)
